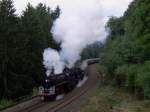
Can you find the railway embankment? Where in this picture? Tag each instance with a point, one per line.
(110, 98)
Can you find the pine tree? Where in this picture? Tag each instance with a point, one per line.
(8, 22)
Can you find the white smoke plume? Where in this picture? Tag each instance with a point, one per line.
(82, 22)
(52, 61)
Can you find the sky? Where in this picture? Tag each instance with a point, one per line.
(111, 7)
(81, 23)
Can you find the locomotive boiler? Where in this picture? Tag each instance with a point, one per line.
(55, 85)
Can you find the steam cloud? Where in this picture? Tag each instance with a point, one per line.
(82, 22)
(52, 61)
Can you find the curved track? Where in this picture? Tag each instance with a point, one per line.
(73, 104)
(67, 102)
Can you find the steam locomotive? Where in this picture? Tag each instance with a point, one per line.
(55, 85)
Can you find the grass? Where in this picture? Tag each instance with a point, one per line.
(110, 99)
(34, 91)
(5, 103)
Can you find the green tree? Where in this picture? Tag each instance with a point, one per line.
(22, 42)
(8, 22)
(126, 49)
(91, 51)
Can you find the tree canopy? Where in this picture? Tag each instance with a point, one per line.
(22, 42)
(126, 53)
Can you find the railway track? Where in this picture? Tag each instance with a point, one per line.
(75, 95)
(90, 84)
(35, 105)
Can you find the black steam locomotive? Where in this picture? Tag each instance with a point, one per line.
(60, 84)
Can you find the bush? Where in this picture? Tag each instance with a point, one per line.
(5, 103)
(143, 78)
(126, 75)
(120, 75)
(135, 78)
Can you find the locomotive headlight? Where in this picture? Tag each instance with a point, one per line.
(41, 89)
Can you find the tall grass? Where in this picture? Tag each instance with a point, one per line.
(5, 103)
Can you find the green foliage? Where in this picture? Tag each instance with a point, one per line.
(5, 103)
(8, 23)
(126, 52)
(135, 78)
(128, 75)
(91, 51)
(34, 91)
(116, 27)
(112, 99)
(22, 42)
(143, 78)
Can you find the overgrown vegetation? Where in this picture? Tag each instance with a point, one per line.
(22, 41)
(91, 51)
(125, 56)
(111, 99)
(126, 53)
(5, 103)
(137, 78)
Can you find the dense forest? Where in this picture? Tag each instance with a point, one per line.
(91, 51)
(125, 55)
(126, 52)
(22, 41)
